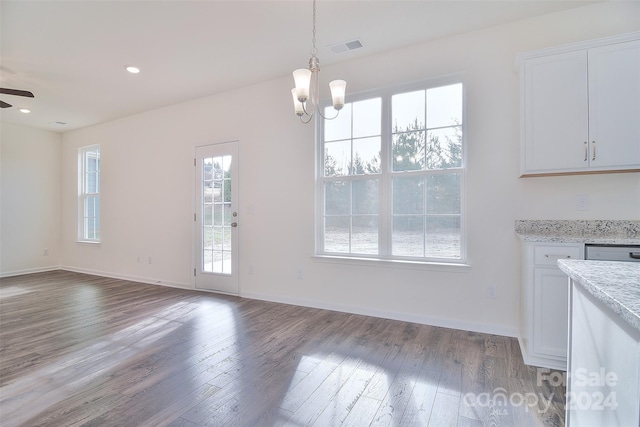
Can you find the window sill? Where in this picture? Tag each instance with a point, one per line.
(394, 263)
(89, 242)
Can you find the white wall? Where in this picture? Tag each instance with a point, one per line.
(30, 163)
(148, 183)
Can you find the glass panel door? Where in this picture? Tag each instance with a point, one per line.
(216, 218)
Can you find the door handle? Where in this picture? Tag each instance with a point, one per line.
(634, 255)
(234, 224)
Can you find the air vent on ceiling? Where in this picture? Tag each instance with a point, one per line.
(345, 46)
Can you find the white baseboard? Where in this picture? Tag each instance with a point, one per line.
(486, 328)
(130, 278)
(541, 362)
(29, 271)
(405, 317)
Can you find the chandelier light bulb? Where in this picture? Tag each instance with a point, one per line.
(338, 88)
(302, 78)
(297, 105)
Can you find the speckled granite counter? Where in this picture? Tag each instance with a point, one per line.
(592, 231)
(615, 284)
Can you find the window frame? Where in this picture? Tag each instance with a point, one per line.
(83, 194)
(385, 179)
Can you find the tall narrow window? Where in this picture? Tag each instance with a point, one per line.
(89, 186)
(351, 179)
(427, 169)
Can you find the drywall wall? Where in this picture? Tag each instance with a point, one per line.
(148, 184)
(30, 200)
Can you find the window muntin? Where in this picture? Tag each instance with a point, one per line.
(394, 189)
(352, 141)
(216, 214)
(89, 203)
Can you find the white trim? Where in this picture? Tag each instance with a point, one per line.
(460, 267)
(146, 280)
(29, 271)
(542, 362)
(571, 47)
(485, 328)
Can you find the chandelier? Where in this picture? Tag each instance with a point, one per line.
(306, 93)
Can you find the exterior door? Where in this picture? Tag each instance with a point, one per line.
(216, 218)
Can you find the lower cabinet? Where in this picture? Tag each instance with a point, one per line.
(604, 366)
(544, 304)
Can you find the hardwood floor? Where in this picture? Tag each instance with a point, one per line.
(92, 351)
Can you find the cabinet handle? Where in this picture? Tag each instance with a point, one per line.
(593, 146)
(586, 151)
(556, 256)
(634, 255)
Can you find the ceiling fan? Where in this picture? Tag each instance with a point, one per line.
(15, 92)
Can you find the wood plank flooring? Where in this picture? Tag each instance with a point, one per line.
(81, 350)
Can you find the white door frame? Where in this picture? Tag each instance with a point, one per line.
(215, 276)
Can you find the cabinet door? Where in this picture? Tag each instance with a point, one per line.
(556, 112)
(550, 313)
(614, 105)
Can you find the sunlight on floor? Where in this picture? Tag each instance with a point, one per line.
(51, 384)
(12, 291)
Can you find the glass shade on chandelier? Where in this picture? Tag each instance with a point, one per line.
(302, 93)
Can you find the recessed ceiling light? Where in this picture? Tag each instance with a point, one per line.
(24, 110)
(132, 69)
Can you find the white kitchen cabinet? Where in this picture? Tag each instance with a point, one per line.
(580, 107)
(544, 304)
(604, 361)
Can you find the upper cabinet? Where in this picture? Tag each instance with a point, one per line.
(581, 107)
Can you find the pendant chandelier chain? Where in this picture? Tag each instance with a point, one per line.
(314, 51)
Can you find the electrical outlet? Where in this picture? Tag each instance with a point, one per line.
(299, 274)
(149, 260)
(138, 259)
(45, 252)
(491, 292)
(250, 269)
(582, 202)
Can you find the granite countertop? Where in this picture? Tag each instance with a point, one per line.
(615, 284)
(620, 232)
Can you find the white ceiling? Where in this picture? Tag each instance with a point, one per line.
(71, 54)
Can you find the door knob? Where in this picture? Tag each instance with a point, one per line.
(234, 224)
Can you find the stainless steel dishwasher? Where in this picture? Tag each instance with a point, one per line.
(598, 252)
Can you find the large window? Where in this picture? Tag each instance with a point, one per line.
(89, 194)
(391, 176)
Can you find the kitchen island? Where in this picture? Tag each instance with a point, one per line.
(604, 343)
